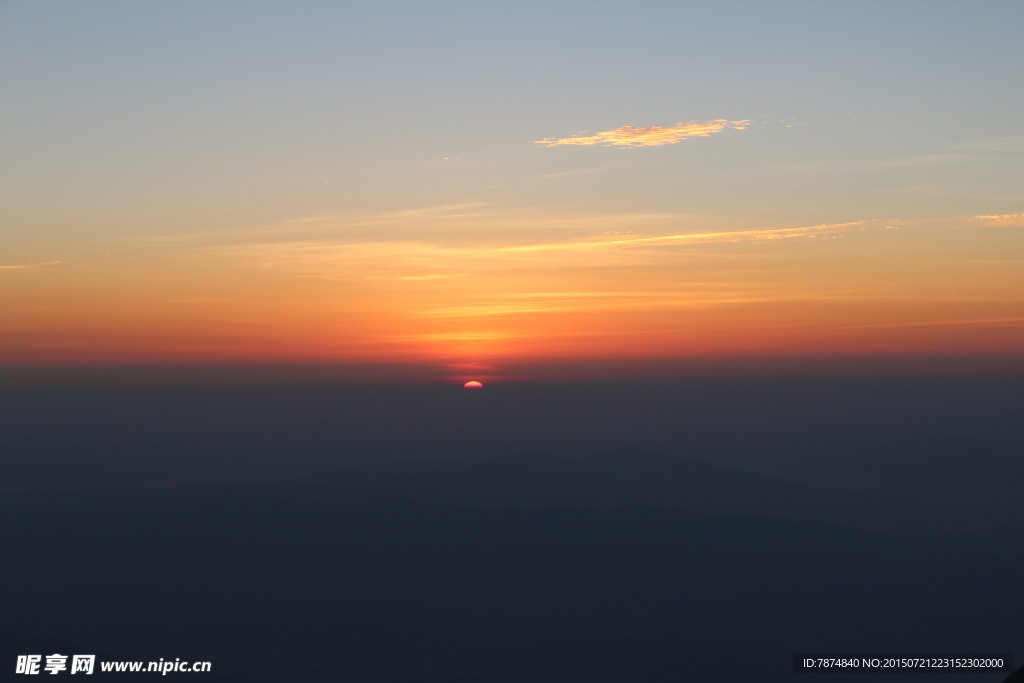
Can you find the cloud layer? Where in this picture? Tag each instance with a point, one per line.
(1008, 220)
(30, 266)
(649, 136)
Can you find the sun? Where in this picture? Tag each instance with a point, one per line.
(473, 384)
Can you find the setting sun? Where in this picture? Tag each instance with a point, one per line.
(744, 282)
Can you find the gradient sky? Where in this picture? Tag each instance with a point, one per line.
(467, 186)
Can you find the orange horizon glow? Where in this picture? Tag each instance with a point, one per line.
(658, 287)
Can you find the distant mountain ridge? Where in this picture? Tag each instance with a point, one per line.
(292, 584)
(613, 479)
(621, 477)
(630, 476)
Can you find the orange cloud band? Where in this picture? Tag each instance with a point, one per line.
(650, 136)
(30, 266)
(1014, 220)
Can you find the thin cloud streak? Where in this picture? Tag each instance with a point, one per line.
(576, 172)
(1011, 143)
(202, 300)
(649, 136)
(946, 155)
(30, 266)
(529, 305)
(423, 260)
(453, 223)
(734, 236)
(969, 322)
(845, 165)
(1000, 220)
(391, 260)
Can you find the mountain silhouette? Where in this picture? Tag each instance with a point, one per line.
(630, 476)
(272, 585)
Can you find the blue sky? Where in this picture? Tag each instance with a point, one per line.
(143, 121)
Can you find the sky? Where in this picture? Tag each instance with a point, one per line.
(491, 190)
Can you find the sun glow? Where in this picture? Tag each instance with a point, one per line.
(480, 289)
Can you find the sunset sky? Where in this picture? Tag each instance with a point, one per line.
(474, 187)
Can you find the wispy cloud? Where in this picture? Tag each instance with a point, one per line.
(657, 301)
(434, 211)
(30, 266)
(453, 224)
(947, 155)
(372, 226)
(844, 165)
(425, 260)
(999, 220)
(201, 300)
(969, 322)
(575, 172)
(649, 136)
(1012, 144)
(431, 276)
(703, 237)
(441, 210)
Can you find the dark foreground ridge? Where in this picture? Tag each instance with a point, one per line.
(627, 566)
(630, 476)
